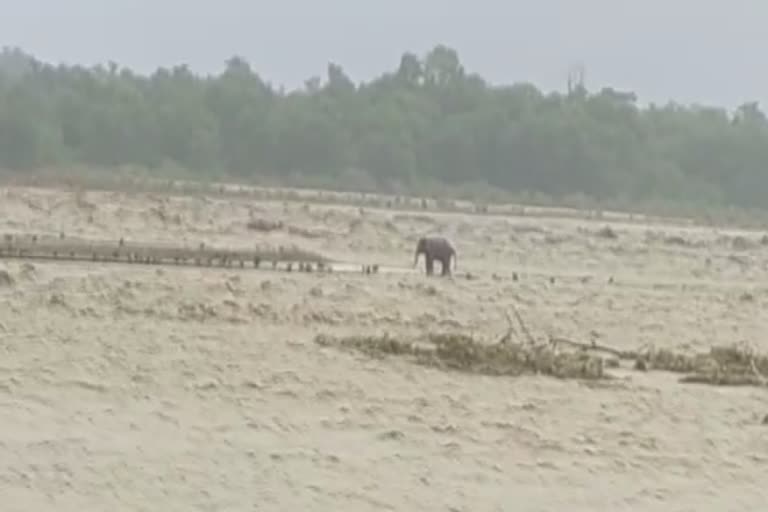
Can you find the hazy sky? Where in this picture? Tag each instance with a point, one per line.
(708, 51)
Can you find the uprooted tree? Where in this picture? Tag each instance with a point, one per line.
(519, 353)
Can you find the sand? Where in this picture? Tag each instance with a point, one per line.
(161, 388)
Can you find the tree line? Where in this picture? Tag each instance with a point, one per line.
(428, 120)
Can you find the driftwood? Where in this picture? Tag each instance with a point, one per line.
(508, 335)
(264, 225)
(621, 354)
(736, 365)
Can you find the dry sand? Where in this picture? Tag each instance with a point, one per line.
(162, 388)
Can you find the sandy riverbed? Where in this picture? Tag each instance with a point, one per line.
(161, 388)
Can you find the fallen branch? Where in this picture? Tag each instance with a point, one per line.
(523, 327)
(719, 379)
(264, 225)
(759, 376)
(510, 330)
(594, 346)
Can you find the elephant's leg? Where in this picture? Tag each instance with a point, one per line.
(446, 266)
(430, 265)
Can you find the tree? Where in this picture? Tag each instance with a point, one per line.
(427, 120)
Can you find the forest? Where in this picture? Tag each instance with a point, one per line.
(428, 120)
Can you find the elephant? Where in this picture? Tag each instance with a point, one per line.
(436, 248)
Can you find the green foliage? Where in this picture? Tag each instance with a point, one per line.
(428, 121)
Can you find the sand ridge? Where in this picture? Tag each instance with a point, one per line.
(138, 388)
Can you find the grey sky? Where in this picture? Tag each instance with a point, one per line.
(708, 51)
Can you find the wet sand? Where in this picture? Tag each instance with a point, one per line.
(128, 387)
